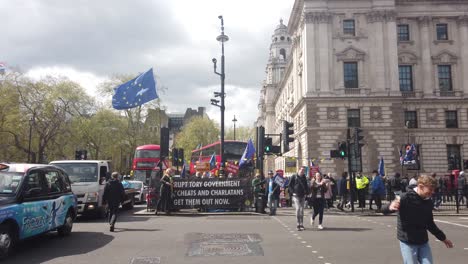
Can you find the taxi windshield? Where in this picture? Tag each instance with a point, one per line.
(9, 182)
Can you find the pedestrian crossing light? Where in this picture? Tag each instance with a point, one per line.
(342, 149)
(268, 144)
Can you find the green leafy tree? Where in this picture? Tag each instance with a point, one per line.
(198, 131)
(242, 133)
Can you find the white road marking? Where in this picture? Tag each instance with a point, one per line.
(465, 248)
(303, 242)
(309, 246)
(450, 223)
(315, 252)
(320, 257)
(389, 226)
(299, 237)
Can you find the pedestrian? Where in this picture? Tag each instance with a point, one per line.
(343, 191)
(319, 187)
(361, 186)
(258, 185)
(377, 191)
(436, 197)
(299, 189)
(166, 192)
(395, 185)
(329, 192)
(414, 219)
(461, 187)
(273, 193)
(114, 194)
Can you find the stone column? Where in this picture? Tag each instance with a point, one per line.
(309, 46)
(392, 54)
(426, 61)
(463, 31)
(375, 19)
(324, 19)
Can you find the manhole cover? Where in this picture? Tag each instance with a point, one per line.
(224, 238)
(224, 249)
(224, 244)
(146, 260)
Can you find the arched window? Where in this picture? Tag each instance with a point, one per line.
(283, 54)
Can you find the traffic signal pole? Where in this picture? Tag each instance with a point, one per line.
(350, 174)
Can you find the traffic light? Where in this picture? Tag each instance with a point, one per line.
(268, 145)
(180, 155)
(342, 149)
(164, 142)
(287, 135)
(358, 137)
(175, 157)
(81, 154)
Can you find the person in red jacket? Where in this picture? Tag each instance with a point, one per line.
(414, 220)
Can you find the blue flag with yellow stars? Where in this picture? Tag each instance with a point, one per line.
(135, 92)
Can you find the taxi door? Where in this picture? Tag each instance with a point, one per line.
(34, 210)
(57, 202)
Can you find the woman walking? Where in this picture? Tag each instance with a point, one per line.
(319, 187)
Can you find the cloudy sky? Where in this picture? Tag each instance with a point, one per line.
(91, 40)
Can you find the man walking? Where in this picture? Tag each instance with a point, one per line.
(377, 191)
(113, 195)
(414, 219)
(299, 188)
(343, 191)
(273, 193)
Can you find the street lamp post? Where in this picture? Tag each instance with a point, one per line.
(234, 121)
(221, 38)
(31, 123)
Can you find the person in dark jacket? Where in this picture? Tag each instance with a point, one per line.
(114, 194)
(273, 191)
(414, 219)
(377, 190)
(319, 187)
(343, 190)
(299, 188)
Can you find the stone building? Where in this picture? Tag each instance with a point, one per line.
(398, 69)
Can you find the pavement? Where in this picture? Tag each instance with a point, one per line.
(236, 238)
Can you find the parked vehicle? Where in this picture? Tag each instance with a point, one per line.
(34, 199)
(141, 190)
(88, 179)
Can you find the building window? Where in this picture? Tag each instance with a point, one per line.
(403, 32)
(354, 118)
(451, 119)
(283, 54)
(406, 78)
(348, 27)
(411, 119)
(350, 74)
(442, 32)
(453, 157)
(445, 77)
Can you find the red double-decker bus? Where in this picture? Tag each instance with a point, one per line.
(145, 161)
(233, 151)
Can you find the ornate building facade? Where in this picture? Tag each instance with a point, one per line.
(398, 69)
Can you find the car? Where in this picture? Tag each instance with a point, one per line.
(34, 199)
(142, 190)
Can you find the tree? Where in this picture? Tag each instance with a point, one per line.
(199, 130)
(242, 133)
(47, 106)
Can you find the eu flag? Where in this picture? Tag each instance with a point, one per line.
(212, 161)
(381, 167)
(135, 92)
(248, 153)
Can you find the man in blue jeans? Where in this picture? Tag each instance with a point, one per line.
(414, 219)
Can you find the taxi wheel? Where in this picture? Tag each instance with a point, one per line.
(7, 240)
(66, 229)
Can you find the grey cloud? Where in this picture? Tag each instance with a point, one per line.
(98, 36)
